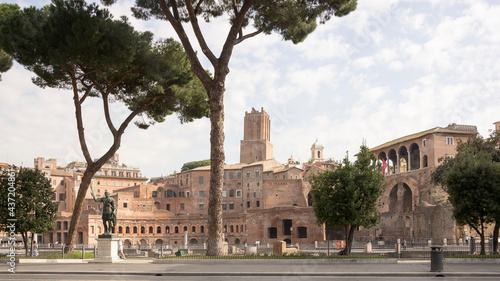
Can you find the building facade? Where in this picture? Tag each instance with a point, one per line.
(412, 206)
(263, 200)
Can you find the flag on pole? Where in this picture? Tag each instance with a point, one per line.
(384, 166)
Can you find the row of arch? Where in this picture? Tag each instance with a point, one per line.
(176, 229)
(404, 159)
(192, 241)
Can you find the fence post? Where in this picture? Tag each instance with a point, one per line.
(491, 245)
(472, 245)
(398, 248)
(63, 251)
(95, 252)
(83, 251)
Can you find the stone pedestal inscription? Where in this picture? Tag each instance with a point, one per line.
(107, 249)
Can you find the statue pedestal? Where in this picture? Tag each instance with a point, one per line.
(107, 248)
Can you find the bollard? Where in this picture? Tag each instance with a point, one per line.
(83, 251)
(95, 252)
(436, 258)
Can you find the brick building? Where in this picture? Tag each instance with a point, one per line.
(263, 199)
(412, 207)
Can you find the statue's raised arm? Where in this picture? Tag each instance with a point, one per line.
(93, 196)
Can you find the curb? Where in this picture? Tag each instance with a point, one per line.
(32, 261)
(271, 274)
(276, 261)
(472, 260)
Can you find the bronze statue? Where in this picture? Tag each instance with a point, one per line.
(108, 212)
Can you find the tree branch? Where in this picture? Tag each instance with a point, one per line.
(142, 108)
(78, 114)
(250, 35)
(196, 9)
(87, 92)
(235, 10)
(173, 3)
(199, 35)
(196, 67)
(105, 103)
(227, 49)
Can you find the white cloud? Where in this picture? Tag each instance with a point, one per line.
(387, 70)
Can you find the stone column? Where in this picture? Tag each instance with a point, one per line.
(397, 164)
(408, 165)
(419, 159)
(185, 238)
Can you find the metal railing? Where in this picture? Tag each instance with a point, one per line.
(420, 249)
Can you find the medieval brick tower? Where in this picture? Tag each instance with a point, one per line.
(256, 144)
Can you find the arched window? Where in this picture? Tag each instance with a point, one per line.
(319, 154)
(232, 228)
(150, 229)
(176, 229)
(202, 229)
(193, 229)
(143, 229)
(158, 229)
(127, 229)
(237, 228)
(167, 229)
(414, 158)
(120, 229)
(185, 228)
(135, 229)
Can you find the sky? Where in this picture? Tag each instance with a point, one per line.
(389, 69)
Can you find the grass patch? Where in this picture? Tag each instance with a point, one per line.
(299, 255)
(73, 255)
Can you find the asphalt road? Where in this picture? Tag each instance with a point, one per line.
(43, 277)
(261, 270)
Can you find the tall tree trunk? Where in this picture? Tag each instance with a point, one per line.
(77, 212)
(483, 248)
(349, 234)
(495, 237)
(25, 241)
(350, 238)
(217, 157)
(31, 246)
(328, 240)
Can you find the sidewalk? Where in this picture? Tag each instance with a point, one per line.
(309, 267)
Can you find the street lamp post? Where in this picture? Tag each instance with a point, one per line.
(291, 229)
